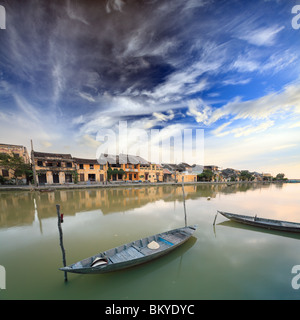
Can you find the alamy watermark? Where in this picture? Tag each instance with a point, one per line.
(2, 17)
(168, 145)
(296, 279)
(2, 278)
(296, 19)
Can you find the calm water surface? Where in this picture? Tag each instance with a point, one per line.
(225, 262)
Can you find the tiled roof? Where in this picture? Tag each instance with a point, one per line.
(89, 161)
(121, 158)
(52, 155)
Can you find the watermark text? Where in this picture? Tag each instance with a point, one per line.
(167, 145)
(2, 278)
(296, 278)
(296, 19)
(2, 17)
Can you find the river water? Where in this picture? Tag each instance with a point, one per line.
(228, 261)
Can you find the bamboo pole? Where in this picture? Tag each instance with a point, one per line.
(61, 239)
(33, 165)
(185, 220)
(215, 219)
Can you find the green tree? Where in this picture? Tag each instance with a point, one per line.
(246, 176)
(75, 176)
(111, 171)
(280, 176)
(206, 175)
(16, 165)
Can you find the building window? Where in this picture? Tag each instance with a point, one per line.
(81, 166)
(68, 177)
(91, 166)
(69, 165)
(40, 163)
(4, 173)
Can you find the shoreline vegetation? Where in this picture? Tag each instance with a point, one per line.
(49, 188)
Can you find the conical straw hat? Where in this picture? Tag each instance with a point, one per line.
(153, 245)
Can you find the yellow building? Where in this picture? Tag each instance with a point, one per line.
(54, 168)
(151, 172)
(89, 170)
(18, 151)
(187, 177)
(124, 167)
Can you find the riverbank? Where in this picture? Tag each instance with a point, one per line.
(46, 188)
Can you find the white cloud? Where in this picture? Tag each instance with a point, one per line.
(295, 125)
(116, 5)
(185, 82)
(244, 64)
(250, 129)
(46, 144)
(286, 146)
(219, 131)
(255, 153)
(269, 105)
(262, 36)
(200, 111)
(86, 96)
(235, 82)
(241, 131)
(164, 117)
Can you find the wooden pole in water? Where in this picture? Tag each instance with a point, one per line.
(33, 165)
(184, 202)
(215, 219)
(61, 239)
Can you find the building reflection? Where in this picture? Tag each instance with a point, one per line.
(26, 208)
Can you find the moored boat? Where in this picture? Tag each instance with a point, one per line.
(263, 222)
(133, 253)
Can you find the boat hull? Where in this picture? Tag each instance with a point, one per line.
(134, 253)
(263, 223)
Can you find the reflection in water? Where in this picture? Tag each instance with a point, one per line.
(25, 207)
(235, 264)
(233, 224)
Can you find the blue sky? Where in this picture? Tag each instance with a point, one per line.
(71, 68)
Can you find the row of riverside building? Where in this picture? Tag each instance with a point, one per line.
(57, 168)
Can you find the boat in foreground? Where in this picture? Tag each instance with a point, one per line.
(263, 223)
(133, 253)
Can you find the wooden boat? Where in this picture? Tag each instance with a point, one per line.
(133, 253)
(46, 190)
(263, 223)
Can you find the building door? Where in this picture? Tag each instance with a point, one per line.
(55, 178)
(92, 177)
(101, 177)
(42, 178)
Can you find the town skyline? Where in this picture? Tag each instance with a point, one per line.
(71, 69)
(57, 163)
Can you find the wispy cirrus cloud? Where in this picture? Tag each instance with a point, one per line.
(266, 109)
(262, 36)
(75, 67)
